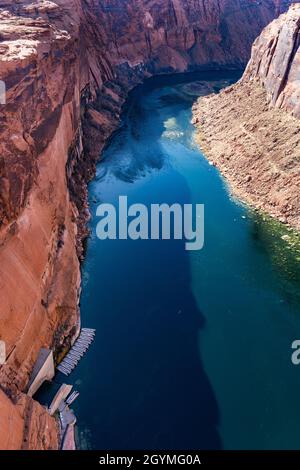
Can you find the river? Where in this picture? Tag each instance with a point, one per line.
(193, 348)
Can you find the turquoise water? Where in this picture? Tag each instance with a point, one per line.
(192, 348)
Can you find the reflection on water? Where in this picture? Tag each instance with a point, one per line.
(136, 148)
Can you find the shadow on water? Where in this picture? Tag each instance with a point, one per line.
(151, 390)
(154, 392)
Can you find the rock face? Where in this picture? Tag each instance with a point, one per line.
(181, 33)
(276, 62)
(68, 66)
(26, 425)
(251, 130)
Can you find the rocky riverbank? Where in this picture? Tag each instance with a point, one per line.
(250, 131)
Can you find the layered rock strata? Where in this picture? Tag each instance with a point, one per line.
(68, 66)
(251, 130)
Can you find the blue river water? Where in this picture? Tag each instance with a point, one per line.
(193, 348)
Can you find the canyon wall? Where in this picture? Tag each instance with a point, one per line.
(251, 130)
(68, 66)
(25, 425)
(275, 62)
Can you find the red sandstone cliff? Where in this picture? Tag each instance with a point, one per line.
(26, 425)
(68, 65)
(275, 62)
(251, 130)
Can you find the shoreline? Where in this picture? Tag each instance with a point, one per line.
(241, 196)
(246, 152)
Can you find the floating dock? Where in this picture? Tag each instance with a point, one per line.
(76, 352)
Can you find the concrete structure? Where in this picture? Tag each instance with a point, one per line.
(69, 438)
(67, 422)
(61, 395)
(42, 371)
